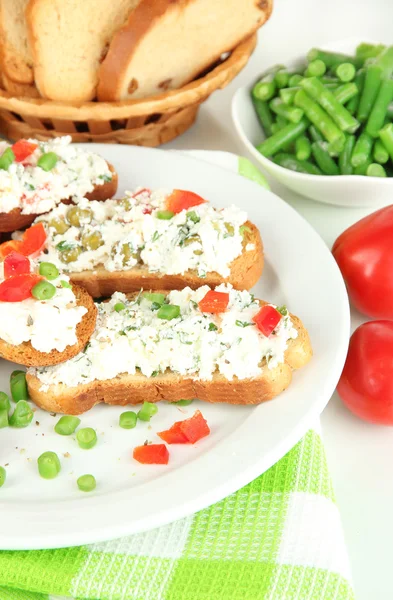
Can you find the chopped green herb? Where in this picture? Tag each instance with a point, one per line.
(192, 215)
(243, 323)
(154, 374)
(29, 186)
(105, 178)
(183, 402)
(244, 229)
(194, 304)
(155, 305)
(155, 237)
(64, 246)
(213, 327)
(282, 310)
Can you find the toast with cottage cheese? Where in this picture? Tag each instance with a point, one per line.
(137, 241)
(27, 353)
(36, 176)
(245, 354)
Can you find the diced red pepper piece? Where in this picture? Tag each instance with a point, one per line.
(174, 435)
(151, 454)
(22, 149)
(18, 288)
(32, 242)
(16, 264)
(8, 247)
(188, 431)
(180, 200)
(267, 319)
(34, 239)
(214, 302)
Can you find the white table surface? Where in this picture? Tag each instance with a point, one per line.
(360, 455)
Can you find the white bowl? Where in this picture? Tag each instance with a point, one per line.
(342, 190)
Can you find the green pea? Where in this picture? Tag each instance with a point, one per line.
(43, 290)
(86, 483)
(127, 420)
(48, 465)
(148, 410)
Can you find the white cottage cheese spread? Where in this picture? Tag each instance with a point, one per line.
(127, 233)
(195, 344)
(47, 324)
(26, 186)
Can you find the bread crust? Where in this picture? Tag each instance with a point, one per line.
(125, 43)
(246, 270)
(15, 220)
(134, 389)
(25, 354)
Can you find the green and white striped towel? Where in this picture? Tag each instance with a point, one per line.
(278, 538)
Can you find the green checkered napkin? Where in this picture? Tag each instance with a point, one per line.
(278, 538)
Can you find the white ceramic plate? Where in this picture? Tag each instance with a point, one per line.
(341, 190)
(244, 442)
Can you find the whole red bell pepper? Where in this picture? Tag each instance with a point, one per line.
(364, 254)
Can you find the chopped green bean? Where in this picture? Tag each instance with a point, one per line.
(291, 113)
(265, 88)
(302, 147)
(380, 153)
(345, 71)
(264, 115)
(48, 465)
(319, 117)
(127, 420)
(48, 270)
(353, 104)
(316, 136)
(3, 418)
(372, 82)
(6, 159)
(344, 160)
(377, 115)
(86, 438)
(375, 170)
(148, 410)
(295, 79)
(281, 78)
(47, 161)
(18, 386)
(315, 68)
(43, 290)
(362, 150)
(362, 169)
(22, 415)
(385, 61)
(345, 92)
(67, 425)
(386, 137)
(328, 101)
(288, 161)
(3, 476)
(331, 59)
(86, 483)
(169, 311)
(323, 159)
(286, 135)
(389, 112)
(329, 80)
(365, 51)
(183, 402)
(5, 403)
(164, 215)
(287, 95)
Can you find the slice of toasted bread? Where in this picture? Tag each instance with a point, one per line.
(25, 354)
(246, 269)
(20, 90)
(15, 56)
(134, 389)
(15, 220)
(68, 40)
(167, 43)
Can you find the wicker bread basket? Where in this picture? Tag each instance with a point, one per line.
(146, 122)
